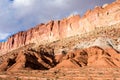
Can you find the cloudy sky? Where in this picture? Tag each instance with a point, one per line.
(18, 15)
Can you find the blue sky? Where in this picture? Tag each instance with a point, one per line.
(19, 15)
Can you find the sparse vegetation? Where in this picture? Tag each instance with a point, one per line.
(68, 74)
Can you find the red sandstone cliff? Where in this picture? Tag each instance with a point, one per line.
(106, 15)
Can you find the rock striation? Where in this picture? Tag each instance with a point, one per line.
(42, 59)
(107, 15)
(92, 57)
(45, 59)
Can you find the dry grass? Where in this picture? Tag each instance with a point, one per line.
(85, 73)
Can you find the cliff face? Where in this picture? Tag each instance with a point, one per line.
(43, 33)
(106, 15)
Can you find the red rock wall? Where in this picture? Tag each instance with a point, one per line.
(74, 25)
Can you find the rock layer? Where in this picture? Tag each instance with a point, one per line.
(106, 15)
(44, 59)
(91, 57)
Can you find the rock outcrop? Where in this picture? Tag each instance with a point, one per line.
(91, 57)
(106, 15)
(42, 59)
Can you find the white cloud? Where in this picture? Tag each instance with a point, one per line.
(59, 2)
(3, 36)
(23, 3)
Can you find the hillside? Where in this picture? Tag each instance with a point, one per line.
(106, 15)
(103, 43)
(66, 48)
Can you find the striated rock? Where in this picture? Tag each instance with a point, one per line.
(106, 15)
(43, 59)
(91, 57)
